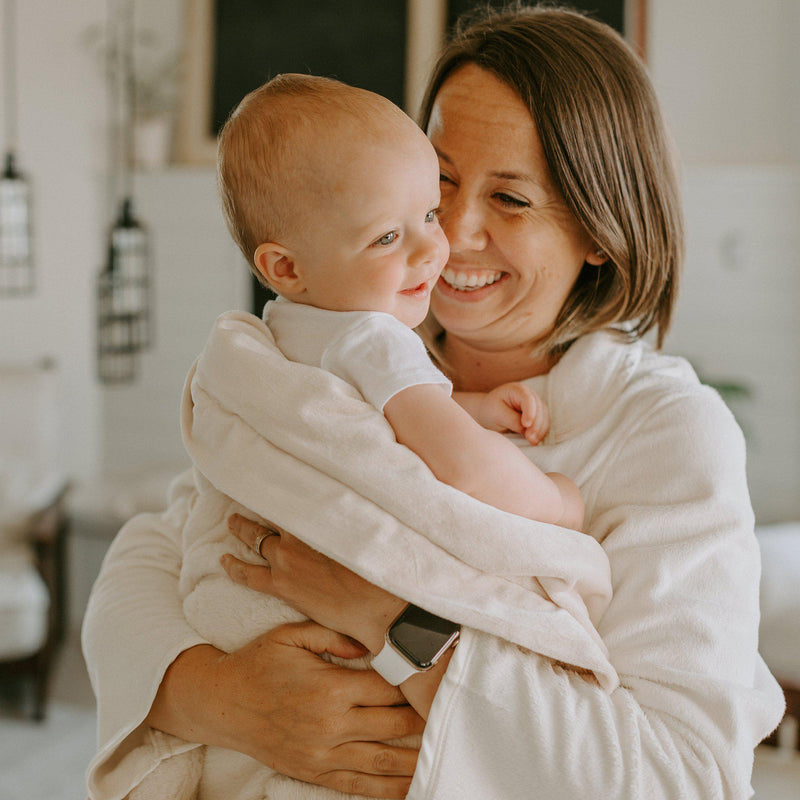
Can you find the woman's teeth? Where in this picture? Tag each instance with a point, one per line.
(469, 280)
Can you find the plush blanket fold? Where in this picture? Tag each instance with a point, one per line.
(301, 448)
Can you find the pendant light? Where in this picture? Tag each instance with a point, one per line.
(16, 249)
(124, 301)
(123, 307)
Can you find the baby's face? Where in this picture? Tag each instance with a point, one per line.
(373, 242)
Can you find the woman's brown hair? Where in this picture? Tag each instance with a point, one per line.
(608, 153)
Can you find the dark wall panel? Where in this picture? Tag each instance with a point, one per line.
(361, 42)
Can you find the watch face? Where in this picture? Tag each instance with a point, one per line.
(421, 636)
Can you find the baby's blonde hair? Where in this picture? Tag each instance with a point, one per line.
(271, 136)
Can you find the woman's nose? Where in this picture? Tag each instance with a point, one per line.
(463, 225)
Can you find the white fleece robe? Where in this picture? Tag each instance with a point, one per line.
(660, 463)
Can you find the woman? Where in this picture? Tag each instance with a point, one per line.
(560, 202)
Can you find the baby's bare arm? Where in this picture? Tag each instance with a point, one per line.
(482, 463)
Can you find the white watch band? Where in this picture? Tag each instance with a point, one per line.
(391, 666)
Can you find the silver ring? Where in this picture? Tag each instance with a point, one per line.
(260, 540)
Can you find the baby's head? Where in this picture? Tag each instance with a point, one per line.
(330, 192)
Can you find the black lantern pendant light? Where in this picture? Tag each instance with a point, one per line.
(123, 302)
(124, 314)
(16, 250)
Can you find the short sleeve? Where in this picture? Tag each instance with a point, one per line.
(381, 356)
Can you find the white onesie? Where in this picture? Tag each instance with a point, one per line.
(371, 350)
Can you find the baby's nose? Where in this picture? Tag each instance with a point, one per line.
(432, 248)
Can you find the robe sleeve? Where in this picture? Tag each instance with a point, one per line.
(134, 628)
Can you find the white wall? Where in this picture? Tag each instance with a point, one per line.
(726, 72)
(61, 149)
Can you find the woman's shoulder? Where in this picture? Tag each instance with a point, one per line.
(662, 380)
(657, 429)
(604, 376)
(664, 393)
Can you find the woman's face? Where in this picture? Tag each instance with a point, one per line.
(515, 248)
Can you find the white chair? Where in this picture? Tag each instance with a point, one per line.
(33, 526)
(779, 633)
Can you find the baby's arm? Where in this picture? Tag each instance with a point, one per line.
(480, 462)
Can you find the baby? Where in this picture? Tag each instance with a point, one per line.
(331, 192)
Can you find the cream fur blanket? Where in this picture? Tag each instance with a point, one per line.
(295, 445)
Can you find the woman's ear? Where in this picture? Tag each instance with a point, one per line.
(596, 256)
(277, 265)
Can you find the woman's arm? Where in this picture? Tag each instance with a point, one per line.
(135, 633)
(330, 593)
(135, 617)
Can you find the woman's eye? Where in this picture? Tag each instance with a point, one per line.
(386, 239)
(444, 179)
(509, 200)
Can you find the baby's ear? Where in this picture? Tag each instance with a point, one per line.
(276, 263)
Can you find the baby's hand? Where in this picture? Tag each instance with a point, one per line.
(515, 407)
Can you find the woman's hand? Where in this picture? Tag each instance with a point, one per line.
(279, 702)
(329, 593)
(313, 584)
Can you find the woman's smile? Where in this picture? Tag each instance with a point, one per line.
(470, 280)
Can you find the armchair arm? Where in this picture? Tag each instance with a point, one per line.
(48, 536)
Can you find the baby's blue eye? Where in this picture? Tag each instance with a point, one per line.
(387, 239)
(430, 216)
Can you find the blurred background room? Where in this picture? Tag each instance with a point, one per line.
(109, 111)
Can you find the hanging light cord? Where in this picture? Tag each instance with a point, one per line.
(10, 75)
(121, 99)
(129, 97)
(111, 106)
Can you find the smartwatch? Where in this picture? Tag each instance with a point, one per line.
(415, 641)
